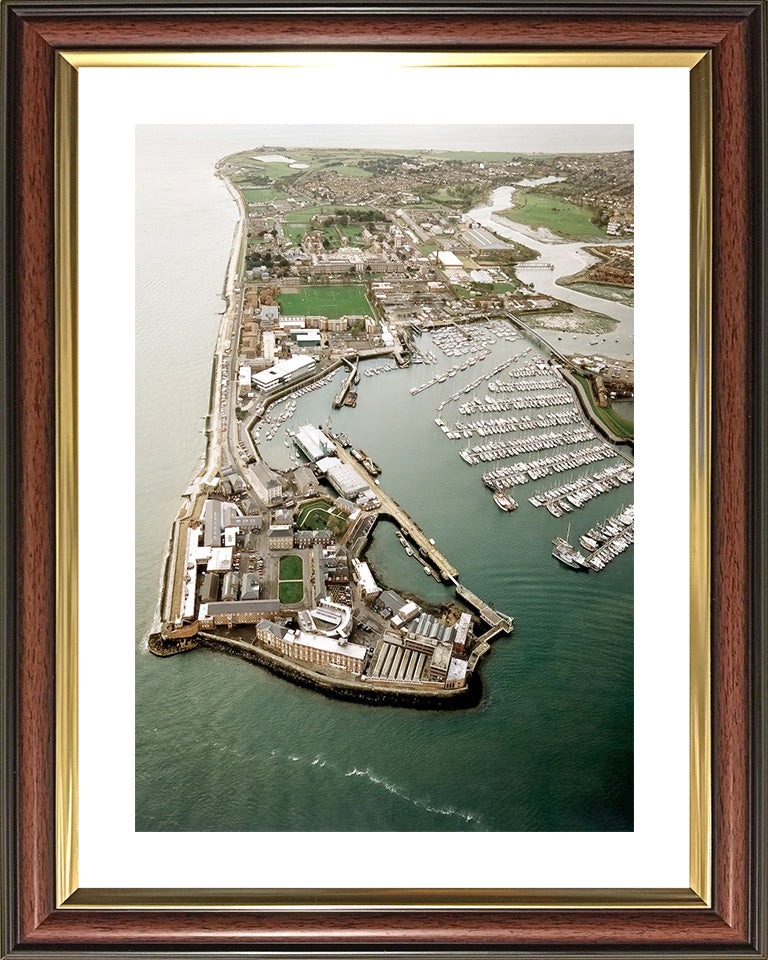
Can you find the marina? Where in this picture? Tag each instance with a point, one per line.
(577, 493)
(501, 449)
(503, 477)
(613, 548)
(502, 425)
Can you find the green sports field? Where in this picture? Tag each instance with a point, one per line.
(291, 587)
(332, 302)
(262, 194)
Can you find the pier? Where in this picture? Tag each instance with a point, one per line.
(407, 525)
(338, 400)
(493, 618)
(537, 338)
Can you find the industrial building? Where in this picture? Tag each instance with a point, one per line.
(306, 338)
(441, 658)
(483, 241)
(365, 578)
(250, 588)
(449, 259)
(343, 477)
(210, 588)
(231, 586)
(221, 560)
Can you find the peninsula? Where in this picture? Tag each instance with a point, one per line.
(341, 258)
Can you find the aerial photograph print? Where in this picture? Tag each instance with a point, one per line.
(384, 478)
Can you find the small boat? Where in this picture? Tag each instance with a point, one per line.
(505, 502)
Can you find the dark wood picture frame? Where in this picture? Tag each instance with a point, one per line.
(735, 33)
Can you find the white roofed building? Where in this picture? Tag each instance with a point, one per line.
(312, 442)
(343, 477)
(319, 650)
(449, 259)
(283, 373)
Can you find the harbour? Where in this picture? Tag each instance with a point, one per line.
(515, 746)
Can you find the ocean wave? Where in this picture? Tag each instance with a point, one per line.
(423, 804)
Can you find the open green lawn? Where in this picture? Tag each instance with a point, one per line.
(351, 233)
(291, 567)
(291, 586)
(305, 214)
(619, 426)
(545, 210)
(319, 515)
(290, 591)
(346, 170)
(262, 194)
(330, 301)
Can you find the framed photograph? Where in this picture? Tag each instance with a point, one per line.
(326, 630)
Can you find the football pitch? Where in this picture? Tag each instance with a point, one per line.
(326, 301)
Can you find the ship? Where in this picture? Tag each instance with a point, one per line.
(504, 501)
(568, 554)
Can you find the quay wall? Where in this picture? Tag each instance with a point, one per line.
(596, 422)
(345, 689)
(167, 647)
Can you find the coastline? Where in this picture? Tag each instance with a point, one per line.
(335, 687)
(166, 640)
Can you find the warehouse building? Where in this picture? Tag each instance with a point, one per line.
(267, 485)
(483, 241)
(343, 477)
(306, 482)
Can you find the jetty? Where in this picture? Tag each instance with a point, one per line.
(497, 621)
(390, 508)
(341, 396)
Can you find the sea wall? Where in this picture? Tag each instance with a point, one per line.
(340, 688)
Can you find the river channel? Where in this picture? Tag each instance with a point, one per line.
(566, 258)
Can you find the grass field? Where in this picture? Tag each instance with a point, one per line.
(351, 233)
(295, 233)
(620, 427)
(291, 586)
(545, 210)
(319, 515)
(262, 194)
(291, 567)
(346, 170)
(332, 302)
(298, 222)
(290, 591)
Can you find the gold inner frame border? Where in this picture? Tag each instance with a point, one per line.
(68, 893)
